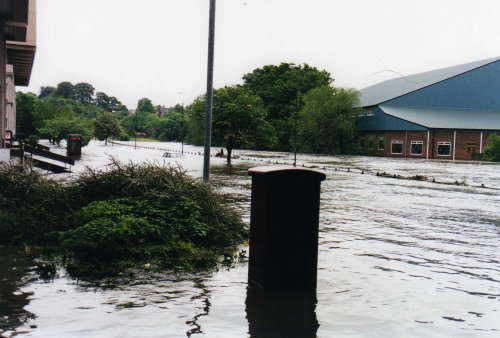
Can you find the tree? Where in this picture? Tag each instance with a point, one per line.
(25, 111)
(279, 87)
(115, 105)
(109, 103)
(239, 119)
(327, 121)
(46, 91)
(106, 125)
(172, 127)
(145, 105)
(83, 92)
(102, 100)
(64, 90)
(57, 129)
(492, 150)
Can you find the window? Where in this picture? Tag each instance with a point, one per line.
(444, 148)
(396, 147)
(416, 147)
(369, 112)
(381, 143)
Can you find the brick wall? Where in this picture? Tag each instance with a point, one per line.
(467, 144)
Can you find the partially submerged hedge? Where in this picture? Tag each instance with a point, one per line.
(129, 215)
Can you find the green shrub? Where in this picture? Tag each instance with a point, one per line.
(124, 137)
(33, 138)
(106, 220)
(492, 150)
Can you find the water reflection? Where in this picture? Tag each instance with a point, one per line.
(13, 269)
(281, 313)
(204, 295)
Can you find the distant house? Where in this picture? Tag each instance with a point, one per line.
(447, 113)
(162, 111)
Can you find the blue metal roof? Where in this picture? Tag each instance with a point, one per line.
(447, 118)
(393, 88)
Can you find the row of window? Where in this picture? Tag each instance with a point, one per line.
(443, 148)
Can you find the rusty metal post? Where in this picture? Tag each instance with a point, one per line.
(284, 225)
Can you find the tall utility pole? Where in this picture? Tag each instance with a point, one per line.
(210, 92)
(182, 123)
(297, 94)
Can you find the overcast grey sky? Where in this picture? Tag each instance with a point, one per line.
(157, 48)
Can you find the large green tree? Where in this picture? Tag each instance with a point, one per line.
(281, 88)
(57, 129)
(327, 121)
(106, 124)
(239, 119)
(25, 113)
(83, 92)
(109, 103)
(102, 100)
(46, 91)
(172, 127)
(64, 90)
(145, 105)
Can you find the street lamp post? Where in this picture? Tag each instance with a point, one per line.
(135, 130)
(210, 93)
(296, 124)
(297, 93)
(182, 123)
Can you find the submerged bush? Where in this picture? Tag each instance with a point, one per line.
(128, 214)
(492, 150)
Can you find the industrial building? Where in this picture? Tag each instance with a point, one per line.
(446, 113)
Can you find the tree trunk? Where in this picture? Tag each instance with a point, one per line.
(229, 152)
(229, 147)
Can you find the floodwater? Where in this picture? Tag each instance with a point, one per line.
(397, 258)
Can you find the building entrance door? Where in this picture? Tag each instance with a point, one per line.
(471, 150)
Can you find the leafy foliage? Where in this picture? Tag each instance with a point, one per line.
(278, 87)
(57, 129)
(145, 105)
(64, 90)
(125, 216)
(106, 125)
(492, 150)
(83, 92)
(239, 119)
(25, 112)
(327, 121)
(45, 115)
(46, 91)
(172, 127)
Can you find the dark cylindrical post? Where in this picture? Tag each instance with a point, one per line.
(284, 225)
(210, 92)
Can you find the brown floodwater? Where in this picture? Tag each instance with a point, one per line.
(397, 258)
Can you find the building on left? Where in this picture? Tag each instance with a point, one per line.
(17, 54)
